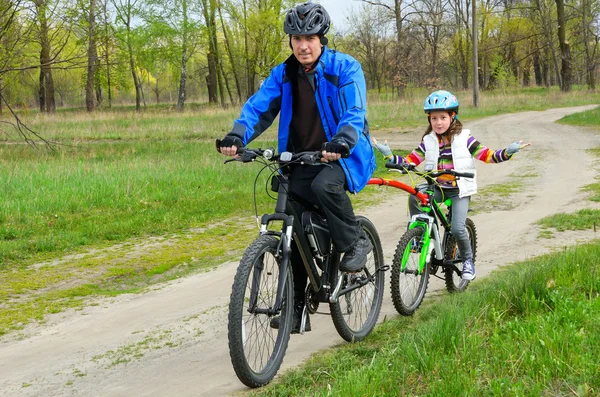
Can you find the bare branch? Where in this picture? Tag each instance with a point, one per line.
(31, 137)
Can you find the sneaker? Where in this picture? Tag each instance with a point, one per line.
(468, 271)
(297, 323)
(356, 257)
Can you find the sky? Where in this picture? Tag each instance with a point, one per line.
(338, 10)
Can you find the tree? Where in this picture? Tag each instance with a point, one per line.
(370, 42)
(9, 39)
(590, 39)
(92, 58)
(126, 10)
(213, 81)
(566, 71)
(46, 94)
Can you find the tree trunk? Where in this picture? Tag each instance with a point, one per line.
(92, 55)
(212, 78)
(97, 84)
(107, 55)
(136, 79)
(249, 64)
(182, 82)
(48, 104)
(475, 60)
(223, 78)
(234, 68)
(546, 24)
(183, 78)
(566, 72)
(42, 90)
(590, 50)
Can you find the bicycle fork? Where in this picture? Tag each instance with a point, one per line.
(285, 247)
(431, 232)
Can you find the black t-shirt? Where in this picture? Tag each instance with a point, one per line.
(306, 132)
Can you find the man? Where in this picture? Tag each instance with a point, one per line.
(320, 96)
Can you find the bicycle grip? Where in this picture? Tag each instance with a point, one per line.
(402, 167)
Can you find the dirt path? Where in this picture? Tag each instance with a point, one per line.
(172, 341)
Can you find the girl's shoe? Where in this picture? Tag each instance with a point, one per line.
(468, 270)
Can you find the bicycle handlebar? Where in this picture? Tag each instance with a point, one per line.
(247, 155)
(406, 168)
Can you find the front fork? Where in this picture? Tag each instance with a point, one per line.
(427, 223)
(285, 247)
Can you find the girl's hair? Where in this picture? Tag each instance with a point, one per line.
(454, 129)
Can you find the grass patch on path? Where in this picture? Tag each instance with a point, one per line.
(584, 219)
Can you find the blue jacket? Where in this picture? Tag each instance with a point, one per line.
(341, 96)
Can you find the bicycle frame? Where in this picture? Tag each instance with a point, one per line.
(428, 222)
(285, 212)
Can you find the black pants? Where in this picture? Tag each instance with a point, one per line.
(324, 186)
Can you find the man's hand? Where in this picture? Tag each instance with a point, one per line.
(332, 151)
(229, 145)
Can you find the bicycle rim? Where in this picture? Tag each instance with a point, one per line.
(257, 349)
(408, 285)
(355, 313)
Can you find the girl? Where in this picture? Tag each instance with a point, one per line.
(445, 145)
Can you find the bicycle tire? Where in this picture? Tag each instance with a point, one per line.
(407, 284)
(256, 349)
(355, 313)
(454, 282)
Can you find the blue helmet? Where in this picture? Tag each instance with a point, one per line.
(441, 100)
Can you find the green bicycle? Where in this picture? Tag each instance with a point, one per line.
(422, 251)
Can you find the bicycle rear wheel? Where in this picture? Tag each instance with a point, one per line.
(355, 313)
(408, 284)
(454, 282)
(257, 349)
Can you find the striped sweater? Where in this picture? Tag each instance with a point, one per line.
(477, 150)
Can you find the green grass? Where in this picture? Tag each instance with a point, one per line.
(529, 329)
(125, 199)
(589, 118)
(60, 202)
(584, 219)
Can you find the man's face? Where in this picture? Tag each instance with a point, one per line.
(307, 48)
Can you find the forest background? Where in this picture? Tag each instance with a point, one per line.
(102, 53)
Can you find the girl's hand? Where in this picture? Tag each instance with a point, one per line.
(515, 147)
(383, 148)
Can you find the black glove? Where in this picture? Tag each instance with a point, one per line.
(229, 141)
(336, 147)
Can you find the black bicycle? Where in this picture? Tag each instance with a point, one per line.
(422, 249)
(263, 285)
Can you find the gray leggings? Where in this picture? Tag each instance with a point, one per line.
(460, 206)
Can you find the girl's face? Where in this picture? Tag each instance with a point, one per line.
(440, 121)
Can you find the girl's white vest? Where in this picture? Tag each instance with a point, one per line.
(461, 157)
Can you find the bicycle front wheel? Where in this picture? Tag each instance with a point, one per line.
(454, 282)
(356, 311)
(408, 283)
(256, 348)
